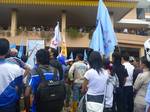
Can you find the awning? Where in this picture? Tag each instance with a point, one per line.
(109, 3)
(132, 23)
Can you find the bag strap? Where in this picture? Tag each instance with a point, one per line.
(49, 68)
(41, 74)
(55, 74)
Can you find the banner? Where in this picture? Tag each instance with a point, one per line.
(32, 47)
(64, 49)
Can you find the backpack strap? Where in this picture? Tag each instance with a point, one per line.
(49, 68)
(55, 74)
(41, 74)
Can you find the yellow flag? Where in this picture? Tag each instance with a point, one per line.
(64, 49)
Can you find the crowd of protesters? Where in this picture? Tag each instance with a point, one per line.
(121, 83)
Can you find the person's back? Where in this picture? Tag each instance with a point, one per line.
(77, 71)
(76, 75)
(50, 75)
(119, 70)
(11, 77)
(128, 87)
(97, 81)
(141, 85)
(55, 105)
(130, 69)
(121, 73)
(55, 63)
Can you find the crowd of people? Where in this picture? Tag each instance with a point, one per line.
(57, 84)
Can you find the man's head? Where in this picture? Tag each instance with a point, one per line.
(125, 56)
(13, 52)
(53, 53)
(42, 57)
(79, 57)
(4, 46)
(131, 59)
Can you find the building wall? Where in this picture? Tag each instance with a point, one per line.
(131, 15)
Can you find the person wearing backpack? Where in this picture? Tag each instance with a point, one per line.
(48, 91)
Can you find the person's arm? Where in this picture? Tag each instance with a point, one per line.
(138, 82)
(84, 85)
(31, 86)
(27, 72)
(71, 71)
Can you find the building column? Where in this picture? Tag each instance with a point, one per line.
(112, 18)
(142, 52)
(13, 22)
(63, 25)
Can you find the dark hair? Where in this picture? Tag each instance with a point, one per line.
(4, 46)
(42, 57)
(137, 59)
(145, 61)
(95, 61)
(116, 57)
(80, 56)
(125, 56)
(53, 52)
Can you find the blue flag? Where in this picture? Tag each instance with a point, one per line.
(107, 42)
(20, 52)
(71, 55)
(12, 46)
(97, 43)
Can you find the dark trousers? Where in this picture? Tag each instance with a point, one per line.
(54, 106)
(107, 110)
(10, 108)
(128, 97)
(119, 103)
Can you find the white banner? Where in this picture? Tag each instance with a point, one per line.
(32, 47)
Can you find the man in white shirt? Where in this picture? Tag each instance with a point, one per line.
(128, 87)
(76, 75)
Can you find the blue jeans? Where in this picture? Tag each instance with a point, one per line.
(76, 92)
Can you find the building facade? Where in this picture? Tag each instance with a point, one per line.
(36, 19)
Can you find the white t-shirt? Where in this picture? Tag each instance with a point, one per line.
(9, 73)
(130, 69)
(97, 82)
(10, 77)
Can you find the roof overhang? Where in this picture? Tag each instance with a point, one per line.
(109, 3)
(47, 12)
(132, 23)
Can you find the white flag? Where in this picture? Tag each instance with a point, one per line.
(56, 40)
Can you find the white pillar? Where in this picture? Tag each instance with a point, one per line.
(142, 52)
(63, 25)
(13, 22)
(112, 17)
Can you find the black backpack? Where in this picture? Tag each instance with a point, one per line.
(49, 92)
